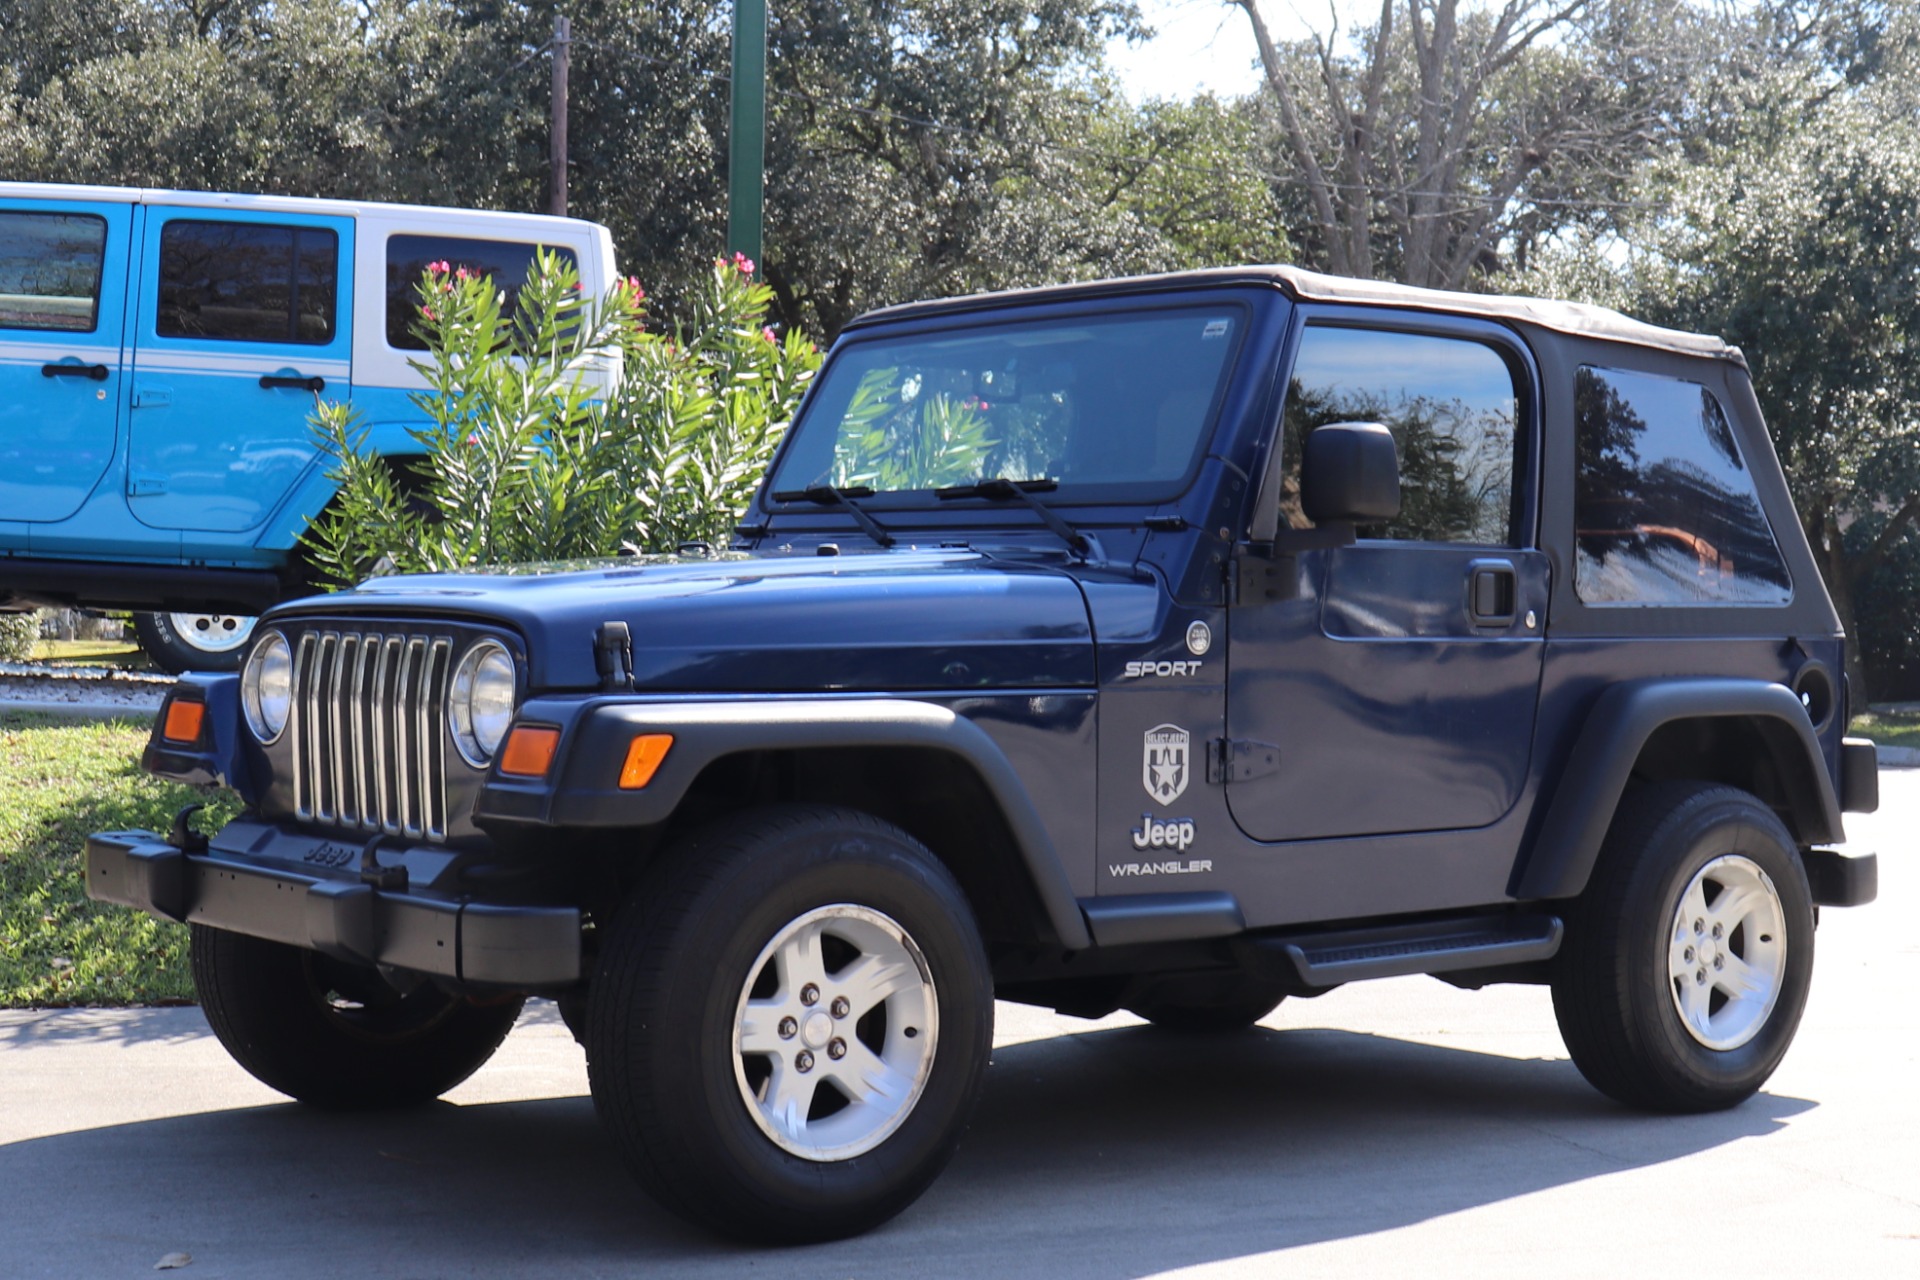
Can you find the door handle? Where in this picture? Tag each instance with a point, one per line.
(1492, 592)
(273, 381)
(91, 372)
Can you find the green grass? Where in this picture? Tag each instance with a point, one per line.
(92, 653)
(1888, 728)
(60, 781)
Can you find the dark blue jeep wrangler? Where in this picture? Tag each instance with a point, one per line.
(1174, 644)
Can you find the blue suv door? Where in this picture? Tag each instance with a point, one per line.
(1401, 681)
(243, 318)
(63, 277)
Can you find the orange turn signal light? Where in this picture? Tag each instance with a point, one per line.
(529, 752)
(644, 755)
(184, 721)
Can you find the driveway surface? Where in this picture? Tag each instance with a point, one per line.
(1394, 1128)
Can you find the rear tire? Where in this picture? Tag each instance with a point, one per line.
(1688, 958)
(338, 1035)
(183, 642)
(789, 1024)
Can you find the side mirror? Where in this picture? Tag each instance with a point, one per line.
(1350, 474)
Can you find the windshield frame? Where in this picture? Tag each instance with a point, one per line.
(984, 320)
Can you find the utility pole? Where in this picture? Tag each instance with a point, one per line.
(557, 132)
(747, 130)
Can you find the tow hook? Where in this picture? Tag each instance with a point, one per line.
(183, 837)
(372, 873)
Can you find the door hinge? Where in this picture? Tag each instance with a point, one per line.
(1261, 575)
(152, 397)
(1238, 760)
(142, 484)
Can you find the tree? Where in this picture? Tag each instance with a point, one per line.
(1435, 141)
(1797, 237)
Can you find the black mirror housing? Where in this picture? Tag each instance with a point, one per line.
(1350, 473)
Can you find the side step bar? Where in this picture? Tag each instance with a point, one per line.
(1392, 951)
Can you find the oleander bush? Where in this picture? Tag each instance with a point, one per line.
(560, 427)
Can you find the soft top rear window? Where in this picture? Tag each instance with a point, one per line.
(1109, 407)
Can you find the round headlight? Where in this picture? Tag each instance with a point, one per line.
(481, 703)
(266, 686)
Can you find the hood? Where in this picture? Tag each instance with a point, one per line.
(890, 620)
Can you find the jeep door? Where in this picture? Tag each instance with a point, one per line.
(244, 318)
(1399, 681)
(63, 280)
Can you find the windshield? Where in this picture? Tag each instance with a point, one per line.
(1106, 406)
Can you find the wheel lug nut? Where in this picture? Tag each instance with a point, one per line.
(840, 1006)
(1719, 962)
(789, 1028)
(1718, 930)
(1700, 977)
(809, 994)
(803, 1061)
(836, 1048)
(1699, 926)
(1687, 955)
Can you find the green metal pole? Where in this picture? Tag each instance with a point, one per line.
(747, 132)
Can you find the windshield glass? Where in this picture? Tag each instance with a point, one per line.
(1106, 406)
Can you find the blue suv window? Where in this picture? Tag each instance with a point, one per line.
(247, 282)
(1664, 507)
(1452, 406)
(50, 270)
(507, 261)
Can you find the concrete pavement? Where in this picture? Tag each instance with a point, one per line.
(1396, 1128)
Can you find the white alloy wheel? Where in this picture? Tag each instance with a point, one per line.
(1727, 952)
(211, 632)
(835, 1032)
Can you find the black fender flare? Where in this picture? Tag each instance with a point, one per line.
(583, 786)
(1623, 718)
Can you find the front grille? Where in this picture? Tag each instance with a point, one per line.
(369, 748)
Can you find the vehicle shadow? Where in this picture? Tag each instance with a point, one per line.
(1116, 1152)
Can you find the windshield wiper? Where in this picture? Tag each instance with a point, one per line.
(1001, 489)
(828, 496)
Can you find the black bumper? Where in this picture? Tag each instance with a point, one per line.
(515, 946)
(1841, 879)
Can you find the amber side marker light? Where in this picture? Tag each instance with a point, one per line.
(644, 755)
(529, 752)
(184, 720)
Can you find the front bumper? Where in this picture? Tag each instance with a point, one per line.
(279, 886)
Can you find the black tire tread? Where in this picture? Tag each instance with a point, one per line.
(1592, 982)
(254, 998)
(656, 923)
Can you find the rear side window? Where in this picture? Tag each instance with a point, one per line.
(1452, 405)
(50, 270)
(247, 282)
(1665, 510)
(507, 261)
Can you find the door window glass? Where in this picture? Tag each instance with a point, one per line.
(508, 262)
(1665, 510)
(247, 282)
(1452, 406)
(50, 270)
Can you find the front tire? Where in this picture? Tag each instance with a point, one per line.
(789, 1024)
(338, 1035)
(183, 642)
(1688, 959)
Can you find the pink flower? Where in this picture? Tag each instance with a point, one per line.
(463, 274)
(428, 313)
(768, 334)
(439, 268)
(743, 264)
(634, 291)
